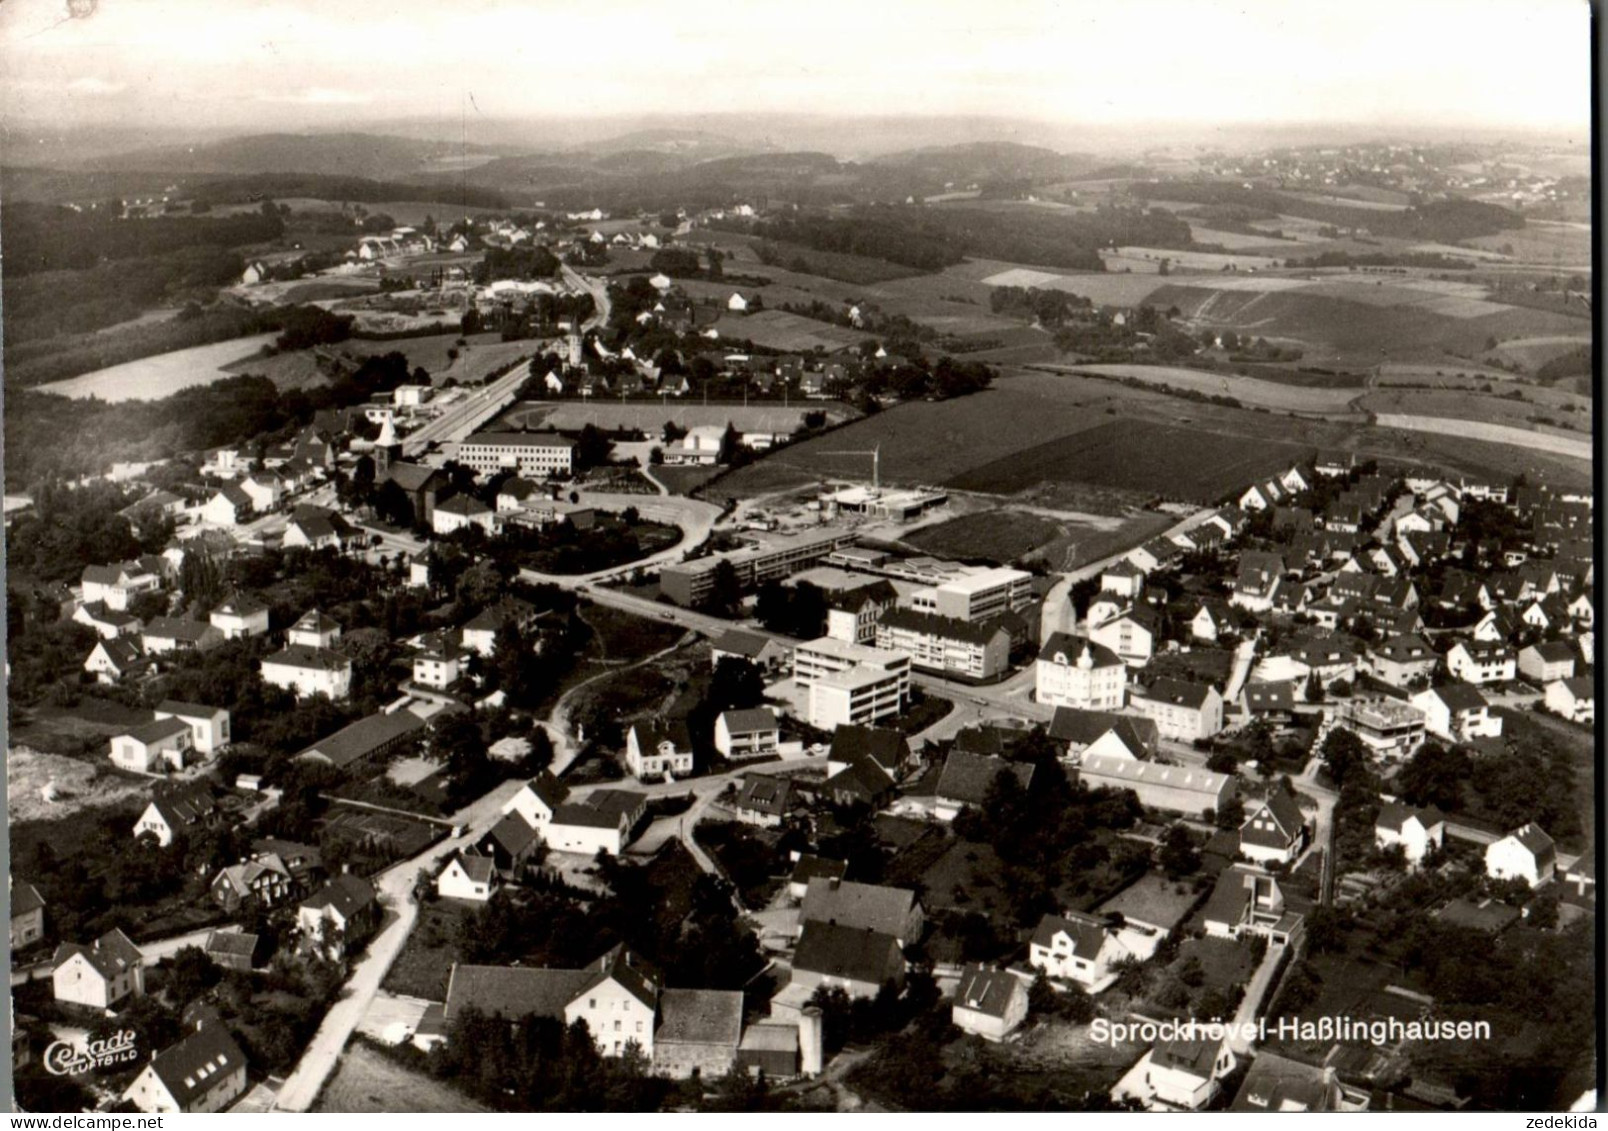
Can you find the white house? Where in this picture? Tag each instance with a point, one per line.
(205, 1072)
(1078, 947)
(537, 799)
(467, 877)
(988, 1002)
(1457, 712)
(263, 490)
(1131, 636)
(438, 664)
(209, 726)
(1181, 1075)
(1076, 672)
(154, 747)
(1274, 832)
(309, 671)
(660, 748)
(240, 617)
(1418, 831)
(752, 733)
(1527, 853)
(1480, 663)
(1181, 711)
(1575, 699)
(98, 975)
(314, 630)
(461, 511)
(110, 660)
(1548, 661)
(737, 303)
(229, 507)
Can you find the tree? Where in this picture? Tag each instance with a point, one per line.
(735, 684)
(1435, 775)
(1178, 855)
(1344, 754)
(725, 591)
(593, 448)
(1232, 814)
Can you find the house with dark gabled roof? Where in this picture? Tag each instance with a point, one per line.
(111, 660)
(203, 1072)
(469, 877)
(855, 960)
(27, 914)
(1547, 661)
(750, 646)
(658, 748)
(510, 843)
(538, 798)
(763, 800)
(1575, 699)
(1181, 711)
(1274, 831)
(1402, 660)
(966, 780)
(1183, 1074)
(1277, 1083)
(170, 634)
(343, 915)
(888, 910)
(698, 1033)
(154, 747)
(173, 811)
(1248, 900)
(1274, 702)
(1075, 671)
(989, 1002)
(885, 747)
(603, 822)
(308, 671)
(1104, 732)
(807, 867)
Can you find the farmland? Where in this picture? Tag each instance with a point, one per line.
(1000, 535)
(790, 333)
(1183, 463)
(479, 356)
(1246, 390)
(152, 378)
(1470, 405)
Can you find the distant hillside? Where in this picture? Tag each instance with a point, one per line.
(371, 156)
(989, 161)
(692, 145)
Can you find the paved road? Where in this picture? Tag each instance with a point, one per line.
(1057, 615)
(468, 414)
(395, 886)
(1243, 656)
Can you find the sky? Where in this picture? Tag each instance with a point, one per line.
(261, 65)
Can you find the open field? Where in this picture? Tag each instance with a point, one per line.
(1149, 258)
(1542, 241)
(790, 333)
(1493, 433)
(422, 967)
(482, 354)
(78, 785)
(1461, 404)
(1246, 390)
(998, 535)
(1262, 243)
(366, 1081)
(297, 369)
(152, 378)
(1181, 463)
(651, 416)
(1534, 352)
(80, 729)
(1115, 290)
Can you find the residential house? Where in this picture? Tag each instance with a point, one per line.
(1131, 636)
(1457, 712)
(314, 528)
(1076, 672)
(510, 844)
(234, 949)
(852, 614)
(479, 634)
(1077, 947)
(171, 813)
(169, 634)
(209, 726)
(27, 914)
(1418, 831)
(1527, 853)
(108, 623)
(1101, 733)
(967, 778)
(989, 1002)
(698, 1033)
(154, 747)
(603, 822)
(308, 671)
(1257, 585)
(1547, 661)
(111, 660)
(1157, 555)
(340, 917)
(809, 867)
(763, 800)
(231, 506)
(891, 911)
(1124, 579)
(761, 651)
(745, 734)
(1184, 1074)
(101, 975)
(1575, 699)
(462, 511)
(1478, 663)
(1387, 727)
(1274, 831)
(858, 961)
(264, 881)
(472, 878)
(1249, 901)
(1402, 661)
(240, 617)
(1182, 711)
(1272, 702)
(1277, 1083)
(314, 630)
(438, 664)
(537, 799)
(658, 748)
(1211, 621)
(204, 1072)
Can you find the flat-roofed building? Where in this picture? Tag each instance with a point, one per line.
(850, 683)
(690, 583)
(528, 453)
(978, 595)
(1389, 729)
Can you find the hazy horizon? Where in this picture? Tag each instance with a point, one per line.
(1125, 77)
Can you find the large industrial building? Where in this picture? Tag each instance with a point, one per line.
(689, 583)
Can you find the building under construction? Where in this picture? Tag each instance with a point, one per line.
(903, 505)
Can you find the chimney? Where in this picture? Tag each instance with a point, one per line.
(811, 1043)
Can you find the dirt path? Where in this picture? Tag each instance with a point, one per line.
(557, 723)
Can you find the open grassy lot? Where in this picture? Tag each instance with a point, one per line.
(77, 784)
(997, 535)
(81, 729)
(1181, 463)
(1463, 404)
(791, 333)
(479, 356)
(367, 1081)
(421, 970)
(1246, 390)
(684, 480)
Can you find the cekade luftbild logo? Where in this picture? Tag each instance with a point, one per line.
(65, 1058)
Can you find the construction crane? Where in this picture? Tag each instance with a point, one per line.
(876, 464)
